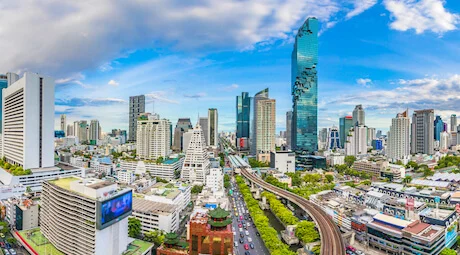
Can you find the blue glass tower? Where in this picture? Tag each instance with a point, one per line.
(243, 115)
(304, 88)
(3, 85)
(438, 128)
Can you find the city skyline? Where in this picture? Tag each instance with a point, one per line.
(187, 75)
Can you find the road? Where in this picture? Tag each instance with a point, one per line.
(241, 209)
(331, 239)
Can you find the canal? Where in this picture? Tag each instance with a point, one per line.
(276, 224)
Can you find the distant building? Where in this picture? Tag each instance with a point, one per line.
(345, 123)
(156, 216)
(359, 116)
(177, 194)
(204, 125)
(82, 131)
(243, 113)
(213, 130)
(264, 126)
(334, 139)
(153, 137)
(136, 107)
(23, 214)
(215, 179)
(356, 143)
(310, 162)
(64, 123)
(422, 140)
(288, 129)
(169, 169)
(80, 209)
(399, 140)
(453, 123)
(370, 136)
(59, 134)
(438, 128)
(94, 132)
(196, 164)
(3, 85)
(444, 143)
(182, 126)
(283, 161)
(377, 144)
(126, 176)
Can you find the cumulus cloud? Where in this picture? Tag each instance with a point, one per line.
(359, 7)
(113, 83)
(161, 96)
(421, 15)
(365, 82)
(72, 36)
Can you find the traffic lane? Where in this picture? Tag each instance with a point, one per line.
(259, 246)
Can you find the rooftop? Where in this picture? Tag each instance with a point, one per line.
(100, 185)
(146, 206)
(64, 182)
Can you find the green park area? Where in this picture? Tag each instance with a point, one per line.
(38, 242)
(138, 247)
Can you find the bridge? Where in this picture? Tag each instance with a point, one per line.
(331, 238)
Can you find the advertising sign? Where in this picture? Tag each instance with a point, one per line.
(114, 209)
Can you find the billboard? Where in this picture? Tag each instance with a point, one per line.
(114, 209)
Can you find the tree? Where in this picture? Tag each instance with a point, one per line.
(161, 180)
(134, 227)
(29, 189)
(306, 232)
(295, 178)
(159, 160)
(329, 178)
(3, 227)
(447, 251)
(11, 240)
(316, 249)
(197, 189)
(349, 160)
(427, 172)
(157, 237)
(412, 164)
(341, 168)
(407, 179)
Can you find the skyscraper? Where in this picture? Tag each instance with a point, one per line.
(28, 135)
(243, 114)
(69, 130)
(3, 85)
(356, 143)
(422, 140)
(358, 116)
(182, 126)
(370, 135)
(213, 131)
(204, 125)
(453, 123)
(94, 130)
(334, 139)
(304, 88)
(438, 128)
(196, 163)
(345, 123)
(264, 126)
(153, 136)
(323, 135)
(136, 107)
(288, 129)
(63, 123)
(399, 139)
(83, 131)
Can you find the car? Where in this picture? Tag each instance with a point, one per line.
(246, 217)
(236, 213)
(6, 252)
(241, 217)
(244, 222)
(251, 245)
(248, 224)
(245, 227)
(13, 252)
(235, 244)
(241, 240)
(8, 245)
(241, 235)
(2, 235)
(2, 244)
(246, 246)
(360, 253)
(257, 233)
(240, 229)
(351, 248)
(249, 240)
(246, 232)
(240, 225)
(247, 253)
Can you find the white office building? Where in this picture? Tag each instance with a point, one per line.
(356, 143)
(126, 176)
(212, 130)
(28, 122)
(187, 136)
(444, 141)
(196, 163)
(156, 215)
(94, 132)
(169, 169)
(77, 216)
(177, 194)
(153, 137)
(370, 135)
(215, 179)
(399, 139)
(283, 161)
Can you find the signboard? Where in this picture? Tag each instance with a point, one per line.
(410, 202)
(114, 209)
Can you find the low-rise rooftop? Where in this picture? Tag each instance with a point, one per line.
(146, 206)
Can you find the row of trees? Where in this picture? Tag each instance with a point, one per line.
(134, 231)
(448, 161)
(267, 233)
(13, 169)
(345, 169)
(226, 181)
(197, 189)
(254, 163)
(305, 190)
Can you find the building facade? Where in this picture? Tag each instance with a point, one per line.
(334, 139)
(264, 126)
(136, 107)
(399, 139)
(345, 123)
(359, 117)
(196, 163)
(153, 137)
(182, 126)
(94, 132)
(422, 140)
(213, 131)
(453, 123)
(356, 143)
(243, 114)
(304, 88)
(156, 216)
(64, 123)
(204, 125)
(288, 129)
(438, 128)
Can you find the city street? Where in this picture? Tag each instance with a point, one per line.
(241, 210)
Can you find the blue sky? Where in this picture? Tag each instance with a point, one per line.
(199, 54)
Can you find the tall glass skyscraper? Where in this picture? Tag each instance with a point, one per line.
(3, 85)
(438, 128)
(304, 88)
(243, 114)
(345, 123)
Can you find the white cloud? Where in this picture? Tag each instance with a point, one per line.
(68, 36)
(359, 7)
(161, 96)
(113, 83)
(421, 15)
(365, 82)
(231, 87)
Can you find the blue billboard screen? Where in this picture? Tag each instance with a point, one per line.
(115, 209)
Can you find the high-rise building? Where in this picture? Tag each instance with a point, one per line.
(438, 128)
(76, 128)
(399, 139)
(323, 135)
(204, 125)
(182, 126)
(136, 107)
(153, 136)
(288, 129)
(3, 85)
(356, 143)
(196, 163)
(422, 140)
(370, 135)
(69, 130)
(85, 216)
(304, 88)
(94, 132)
(359, 116)
(83, 131)
(453, 123)
(264, 126)
(28, 133)
(213, 131)
(345, 123)
(444, 140)
(379, 134)
(243, 115)
(63, 123)
(334, 139)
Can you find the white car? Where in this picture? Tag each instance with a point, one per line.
(249, 240)
(240, 229)
(246, 232)
(236, 244)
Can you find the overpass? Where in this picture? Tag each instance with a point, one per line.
(331, 238)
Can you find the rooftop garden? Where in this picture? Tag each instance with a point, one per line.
(13, 169)
(38, 242)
